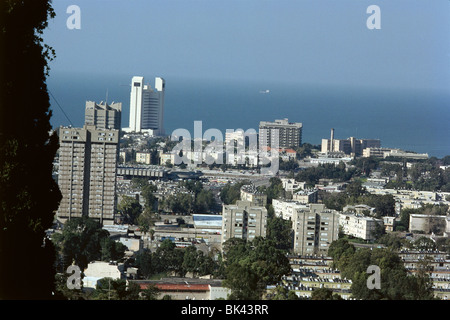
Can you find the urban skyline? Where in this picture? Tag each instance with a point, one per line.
(130, 204)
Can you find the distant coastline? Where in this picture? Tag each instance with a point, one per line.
(409, 120)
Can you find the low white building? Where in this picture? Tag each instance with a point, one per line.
(426, 222)
(287, 208)
(306, 196)
(360, 209)
(132, 244)
(359, 226)
(291, 185)
(98, 270)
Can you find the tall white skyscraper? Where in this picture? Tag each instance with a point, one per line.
(147, 107)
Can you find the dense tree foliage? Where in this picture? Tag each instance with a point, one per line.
(178, 203)
(423, 175)
(167, 259)
(251, 266)
(396, 283)
(274, 190)
(115, 289)
(365, 165)
(195, 200)
(306, 150)
(232, 192)
(281, 293)
(130, 208)
(279, 230)
(83, 240)
(324, 294)
(29, 196)
(312, 175)
(355, 194)
(290, 165)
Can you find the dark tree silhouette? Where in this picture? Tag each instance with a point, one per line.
(29, 196)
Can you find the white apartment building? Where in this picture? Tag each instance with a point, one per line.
(250, 193)
(287, 208)
(147, 107)
(143, 157)
(165, 158)
(306, 196)
(359, 226)
(290, 185)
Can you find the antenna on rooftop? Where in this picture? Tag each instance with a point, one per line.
(106, 101)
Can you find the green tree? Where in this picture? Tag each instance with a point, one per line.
(29, 196)
(143, 262)
(179, 203)
(324, 294)
(251, 266)
(150, 293)
(279, 230)
(111, 250)
(424, 243)
(391, 240)
(339, 250)
(196, 262)
(244, 283)
(110, 289)
(274, 190)
(355, 189)
(204, 201)
(80, 242)
(335, 201)
(396, 283)
(232, 192)
(62, 292)
(147, 192)
(167, 258)
(130, 208)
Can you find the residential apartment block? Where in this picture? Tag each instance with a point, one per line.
(250, 193)
(144, 157)
(315, 228)
(359, 226)
(103, 115)
(286, 209)
(243, 220)
(280, 134)
(87, 172)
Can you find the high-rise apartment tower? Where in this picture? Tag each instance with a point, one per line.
(87, 173)
(280, 134)
(102, 115)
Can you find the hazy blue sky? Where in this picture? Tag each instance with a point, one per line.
(314, 41)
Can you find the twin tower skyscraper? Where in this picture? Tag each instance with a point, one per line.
(147, 107)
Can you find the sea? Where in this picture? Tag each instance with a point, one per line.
(413, 120)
